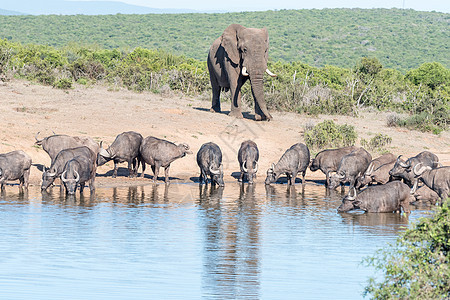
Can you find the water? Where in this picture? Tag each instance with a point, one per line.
(183, 241)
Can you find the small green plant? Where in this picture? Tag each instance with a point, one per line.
(329, 134)
(417, 265)
(377, 143)
(64, 83)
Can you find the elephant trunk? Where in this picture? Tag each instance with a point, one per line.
(261, 112)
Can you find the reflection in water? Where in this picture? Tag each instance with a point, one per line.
(377, 223)
(187, 241)
(231, 249)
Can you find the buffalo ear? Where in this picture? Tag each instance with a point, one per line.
(230, 39)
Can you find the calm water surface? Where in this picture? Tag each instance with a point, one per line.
(183, 241)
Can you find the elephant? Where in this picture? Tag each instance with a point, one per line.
(239, 54)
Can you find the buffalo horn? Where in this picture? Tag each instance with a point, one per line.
(103, 152)
(369, 170)
(350, 196)
(63, 177)
(243, 166)
(244, 71)
(256, 166)
(421, 170)
(214, 172)
(270, 73)
(414, 188)
(402, 164)
(78, 176)
(38, 141)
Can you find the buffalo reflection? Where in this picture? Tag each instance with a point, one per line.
(377, 223)
(231, 252)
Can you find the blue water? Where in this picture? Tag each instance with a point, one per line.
(185, 242)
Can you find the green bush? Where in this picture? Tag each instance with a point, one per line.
(298, 88)
(378, 143)
(328, 134)
(417, 265)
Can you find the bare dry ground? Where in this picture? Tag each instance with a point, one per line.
(102, 113)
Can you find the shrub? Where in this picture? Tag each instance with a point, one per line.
(377, 143)
(329, 134)
(417, 265)
(392, 120)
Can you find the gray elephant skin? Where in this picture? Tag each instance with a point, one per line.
(239, 54)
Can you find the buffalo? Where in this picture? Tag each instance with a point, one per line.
(78, 171)
(15, 165)
(328, 160)
(351, 166)
(161, 153)
(437, 179)
(53, 144)
(390, 197)
(125, 148)
(209, 160)
(58, 164)
(248, 156)
(404, 169)
(293, 161)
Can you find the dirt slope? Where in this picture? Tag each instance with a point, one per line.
(101, 113)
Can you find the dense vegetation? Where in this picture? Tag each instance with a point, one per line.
(417, 266)
(399, 39)
(423, 93)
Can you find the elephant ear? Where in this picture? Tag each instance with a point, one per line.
(230, 42)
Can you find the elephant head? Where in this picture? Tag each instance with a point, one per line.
(247, 52)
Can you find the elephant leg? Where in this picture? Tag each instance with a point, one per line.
(236, 100)
(215, 107)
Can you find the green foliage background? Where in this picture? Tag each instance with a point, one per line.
(399, 39)
(423, 93)
(417, 266)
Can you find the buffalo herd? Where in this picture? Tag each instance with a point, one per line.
(384, 184)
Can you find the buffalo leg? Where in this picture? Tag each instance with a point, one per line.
(155, 169)
(131, 165)
(327, 180)
(166, 174)
(143, 167)
(241, 177)
(116, 166)
(26, 176)
(82, 187)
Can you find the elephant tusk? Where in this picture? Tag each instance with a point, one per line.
(270, 73)
(244, 71)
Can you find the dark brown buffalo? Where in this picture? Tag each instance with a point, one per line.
(58, 164)
(209, 160)
(351, 166)
(425, 194)
(379, 175)
(292, 162)
(390, 197)
(125, 148)
(328, 160)
(77, 172)
(53, 144)
(437, 179)
(248, 156)
(404, 169)
(15, 165)
(161, 153)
